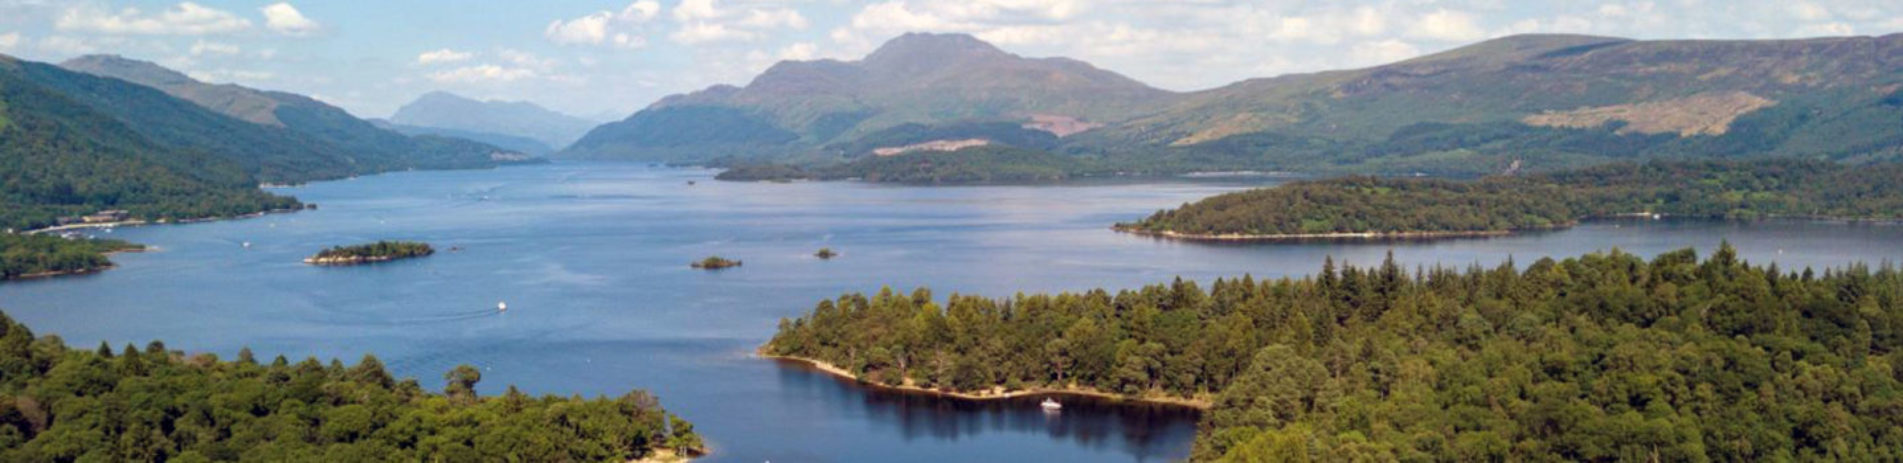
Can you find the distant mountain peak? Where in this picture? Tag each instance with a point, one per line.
(445, 110)
(917, 51)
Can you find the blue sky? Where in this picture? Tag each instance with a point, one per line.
(605, 58)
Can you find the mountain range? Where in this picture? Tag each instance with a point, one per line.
(1539, 102)
(104, 132)
(325, 140)
(452, 113)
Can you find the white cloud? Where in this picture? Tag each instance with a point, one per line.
(284, 19)
(482, 73)
(1809, 11)
(186, 18)
(1383, 52)
(618, 29)
(706, 21)
(1447, 25)
(203, 47)
(801, 51)
(9, 41)
(443, 56)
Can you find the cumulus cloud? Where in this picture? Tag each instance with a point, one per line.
(9, 41)
(707, 21)
(482, 73)
(618, 29)
(442, 56)
(186, 18)
(1448, 25)
(284, 19)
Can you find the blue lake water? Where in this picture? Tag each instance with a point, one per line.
(592, 260)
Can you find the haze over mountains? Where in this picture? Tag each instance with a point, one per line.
(1549, 101)
(443, 110)
(915, 78)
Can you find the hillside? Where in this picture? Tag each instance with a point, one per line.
(63, 157)
(448, 111)
(1545, 102)
(796, 107)
(1550, 101)
(1378, 207)
(292, 127)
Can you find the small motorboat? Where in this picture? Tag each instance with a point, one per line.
(1051, 405)
(502, 307)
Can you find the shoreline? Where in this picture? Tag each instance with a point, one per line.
(1438, 235)
(1233, 237)
(140, 223)
(996, 392)
(88, 271)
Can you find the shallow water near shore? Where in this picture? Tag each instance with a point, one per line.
(592, 259)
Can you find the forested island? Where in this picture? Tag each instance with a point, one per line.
(1414, 207)
(33, 256)
(1606, 356)
(155, 404)
(714, 263)
(381, 251)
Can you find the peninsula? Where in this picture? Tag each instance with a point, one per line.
(1416, 208)
(1499, 363)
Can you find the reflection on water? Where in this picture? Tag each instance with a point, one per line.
(1145, 430)
(592, 261)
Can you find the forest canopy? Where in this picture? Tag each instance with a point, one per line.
(1600, 357)
(1701, 189)
(24, 255)
(155, 404)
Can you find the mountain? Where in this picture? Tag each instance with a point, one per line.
(519, 144)
(284, 137)
(1548, 101)
(444, 110)
(796, 107)
(64, 151)
(1526, 102)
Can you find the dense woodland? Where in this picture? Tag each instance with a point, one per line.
(1601, 357)
(372, 252)
(1702, 189)
(61, 404)
(30, 255)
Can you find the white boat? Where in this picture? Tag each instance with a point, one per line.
(502, 307)
(1049, 404)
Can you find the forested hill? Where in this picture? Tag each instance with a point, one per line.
(1430, 207)
(1603, 357)
(59, 156)
(60, 404)
(1547, 102)
(288, 137)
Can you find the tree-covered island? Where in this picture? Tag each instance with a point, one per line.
(381, 251)
(1374, 207)
(714, 263)
(155, 404)
(1596, 358)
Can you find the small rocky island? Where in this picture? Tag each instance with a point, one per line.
(381, 251)
(714, 263)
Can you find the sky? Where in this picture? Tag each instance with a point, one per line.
(603, 59)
